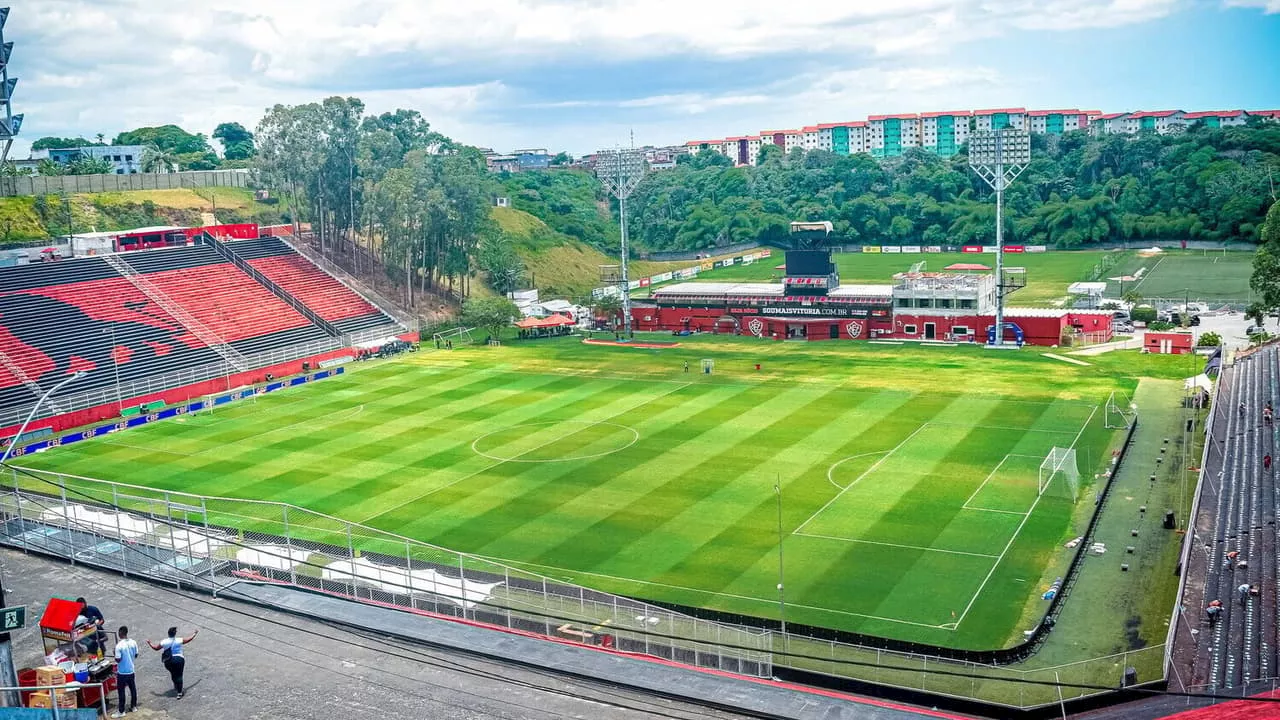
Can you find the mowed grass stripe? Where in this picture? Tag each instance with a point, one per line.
(696, 469)
(665, 441)
(580, 493)
(747, 506)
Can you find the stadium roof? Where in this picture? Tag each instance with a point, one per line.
(720, 288)
(863, 291)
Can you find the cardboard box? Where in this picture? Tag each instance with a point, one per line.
(50, 675)
(66, 699)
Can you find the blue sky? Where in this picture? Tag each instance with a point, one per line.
(581, 74)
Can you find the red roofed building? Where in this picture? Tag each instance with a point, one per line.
(1217, 118)
(1000, 118)
(1107, 123)
(1056, 122)
(944, 132)
(1161, 121)
(889, 135)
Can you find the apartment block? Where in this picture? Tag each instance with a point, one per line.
(999, 119)
(890, 135)
(944, 132)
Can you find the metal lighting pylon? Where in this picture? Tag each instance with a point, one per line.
(9, 123)
(620, 171)
(999, 157)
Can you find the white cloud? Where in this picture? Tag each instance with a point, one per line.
(1268, 6)
(91, 66)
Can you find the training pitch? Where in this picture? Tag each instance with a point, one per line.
(1209, 275)
(909, 477)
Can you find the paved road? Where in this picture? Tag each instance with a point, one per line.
(253, 663)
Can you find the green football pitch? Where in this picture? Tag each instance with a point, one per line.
(909, 477)
(1201, 275)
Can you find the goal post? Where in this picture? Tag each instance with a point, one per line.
(1060, 474)
(1119, 411)
(459, 335)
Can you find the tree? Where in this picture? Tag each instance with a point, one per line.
(237, 142)
(1265, 280)
(59, 143)
(49, 168)
(190, 151)
(88, 165)
(503, 265)
(493, 314)
(155, 160)
(562, 158)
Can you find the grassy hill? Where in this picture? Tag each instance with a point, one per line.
(27, 218)
(559, 265)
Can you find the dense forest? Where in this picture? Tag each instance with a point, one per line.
(1212, 184)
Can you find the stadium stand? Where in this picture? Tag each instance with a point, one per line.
(159, 319)
(317, 289)
(1237, 534)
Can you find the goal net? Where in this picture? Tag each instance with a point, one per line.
(458, 336)
(1120, 411)
(1059, 474)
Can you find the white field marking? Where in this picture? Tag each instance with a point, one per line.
(1026, 517)
(767, 601)
(1002, 427)
(1148, 274)
(990, 475)
(836, 464)
(635, 438)
(865, 473)
(500, 462)
(1073, 361)
(887, 544)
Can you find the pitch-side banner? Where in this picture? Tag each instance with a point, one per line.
(973, 249)
(890, 249)
(1015, 248)
(661, 277)
(933, 248)
(1037, 248)
(764, 253)
(870, 248)
(910, 248)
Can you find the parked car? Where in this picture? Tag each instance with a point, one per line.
(1255, 330)
(1122, 328)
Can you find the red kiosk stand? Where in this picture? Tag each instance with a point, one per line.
(66, 645)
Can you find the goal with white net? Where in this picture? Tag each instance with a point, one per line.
(458, 336)
(1120, 411)
(1059, 474)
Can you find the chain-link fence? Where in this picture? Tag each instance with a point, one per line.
(212, 543)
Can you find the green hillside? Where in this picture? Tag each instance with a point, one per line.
(559, 265)
(27, 218)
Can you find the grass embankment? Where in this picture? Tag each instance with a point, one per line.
(27, 218)
(560, 266)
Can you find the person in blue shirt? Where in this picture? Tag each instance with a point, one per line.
(126, 657)
(176, 662)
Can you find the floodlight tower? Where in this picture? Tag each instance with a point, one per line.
(999, 157)
(9, 123)
(620, 171)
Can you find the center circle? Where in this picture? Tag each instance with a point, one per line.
(625, 435)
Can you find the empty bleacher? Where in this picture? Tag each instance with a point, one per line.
(315, 288)
(56, 318)
(234, 306)
(1238, 508)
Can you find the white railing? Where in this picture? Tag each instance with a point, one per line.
(197, 328)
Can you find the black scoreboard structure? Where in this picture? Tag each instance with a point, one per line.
(810, 272)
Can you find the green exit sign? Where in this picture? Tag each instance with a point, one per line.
(13, 618)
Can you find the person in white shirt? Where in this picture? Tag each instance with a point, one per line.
(126, 658)
(171, 653)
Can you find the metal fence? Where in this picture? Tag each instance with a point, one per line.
(212, 543)
(57, 184)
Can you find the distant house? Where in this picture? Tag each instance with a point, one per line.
(124, 159)
(535, 159)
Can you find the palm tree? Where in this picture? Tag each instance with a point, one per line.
(155, 160)
(102, 139)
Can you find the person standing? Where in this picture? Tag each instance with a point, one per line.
(126, 657)
(172, 656)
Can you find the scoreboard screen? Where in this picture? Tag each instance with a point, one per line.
(810, 263)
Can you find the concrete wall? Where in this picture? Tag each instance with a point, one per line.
(53, 185)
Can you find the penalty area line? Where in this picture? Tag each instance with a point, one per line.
(865, 473)
(896, 545)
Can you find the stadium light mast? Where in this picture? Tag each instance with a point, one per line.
(9, 123)
(620, 171)
(999, 157)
